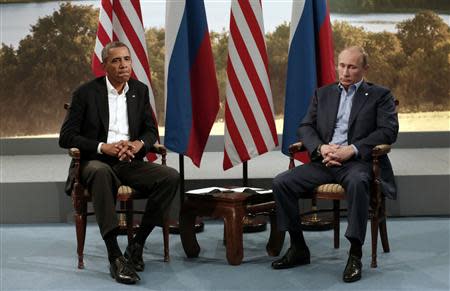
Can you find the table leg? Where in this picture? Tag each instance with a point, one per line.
(276, 239)
(187, 233)
(233, 224)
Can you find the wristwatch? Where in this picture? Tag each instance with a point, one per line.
(319, 154)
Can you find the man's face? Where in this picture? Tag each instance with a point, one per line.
(118, 65)
(350, 67)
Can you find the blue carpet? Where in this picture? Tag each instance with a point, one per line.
(43, 257)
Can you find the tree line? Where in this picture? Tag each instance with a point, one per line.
(38, 77)
(366, 6)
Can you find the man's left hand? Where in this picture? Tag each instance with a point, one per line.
(136, 146)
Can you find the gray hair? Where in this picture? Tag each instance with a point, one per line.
(111, 45)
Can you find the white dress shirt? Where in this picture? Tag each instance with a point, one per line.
(118, 115)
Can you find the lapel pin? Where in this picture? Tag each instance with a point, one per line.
(133, 96)
(366, 94)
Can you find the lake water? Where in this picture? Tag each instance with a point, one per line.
(16, 19)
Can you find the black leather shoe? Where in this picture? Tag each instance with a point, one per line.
(293, 257)
(352, 271)
(123, 272)
(133, 254)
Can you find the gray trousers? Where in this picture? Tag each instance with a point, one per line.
(354, 175)
(159, 182)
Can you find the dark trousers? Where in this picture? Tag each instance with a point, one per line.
(160, 183)
(354, 176)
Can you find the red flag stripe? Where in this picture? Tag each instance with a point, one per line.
(236, 138)
(132, 36)
(107, 6)
(253, 77)
(257, 33)
(246, 109)
(102, 35)
(137, 7)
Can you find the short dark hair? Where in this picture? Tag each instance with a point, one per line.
(111, 45)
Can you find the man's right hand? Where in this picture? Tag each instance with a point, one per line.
(327, 149)
(110, 149)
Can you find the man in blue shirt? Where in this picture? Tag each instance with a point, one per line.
(344, 122)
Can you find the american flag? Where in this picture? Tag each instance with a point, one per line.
(249, 116)
(121, 20)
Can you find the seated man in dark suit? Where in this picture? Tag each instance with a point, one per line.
(344, 122)
(110, 121)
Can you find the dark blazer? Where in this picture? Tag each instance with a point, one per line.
(373, 121)
(87, 121)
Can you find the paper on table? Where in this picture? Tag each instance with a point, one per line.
(241, 189)
(225, 190)
(264, 191)
(207, 190)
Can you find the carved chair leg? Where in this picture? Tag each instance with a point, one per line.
(374, 229)
(384, 236)
(80, 226)
(336, 222)
(383, 228)
(166, 240)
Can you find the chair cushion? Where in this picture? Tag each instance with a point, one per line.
(126, 192)
(330, 191)
(330, 188)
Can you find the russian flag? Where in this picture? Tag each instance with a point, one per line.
(310, 63)
(192, 94)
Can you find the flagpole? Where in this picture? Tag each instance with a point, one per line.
(181, 167)
(245, 174)
(174, 226)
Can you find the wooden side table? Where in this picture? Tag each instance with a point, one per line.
(232, 207)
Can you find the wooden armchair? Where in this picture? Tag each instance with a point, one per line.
(336, 193)
(125, 196)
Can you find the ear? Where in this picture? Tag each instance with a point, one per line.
(366, 68)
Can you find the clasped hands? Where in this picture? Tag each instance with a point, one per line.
(124, 149)
(335, 155)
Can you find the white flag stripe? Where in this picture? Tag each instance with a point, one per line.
(252, 48)
(297, 11)
(239, 120)
(257, 10)
(135, 21)
(107, 26)
(174, 16)
(230, 148)
(247, 87)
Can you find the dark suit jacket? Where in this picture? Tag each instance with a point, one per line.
(87, 121)
(373, 121)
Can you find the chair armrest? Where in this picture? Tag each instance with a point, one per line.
(74, 153)
(158, 149)
(296, 147)
(161, 150)
(380, 150)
